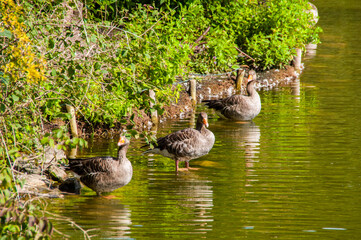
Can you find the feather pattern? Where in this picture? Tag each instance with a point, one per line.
(239, 107)
(104, 174)
(186, 144)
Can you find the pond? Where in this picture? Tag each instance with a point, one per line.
(293, 173)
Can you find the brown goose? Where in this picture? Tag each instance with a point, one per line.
(239, 107)
(104, 174)
(186, 144)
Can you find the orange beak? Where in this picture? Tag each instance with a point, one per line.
(205, 122)
(250, 78)
(121, 141)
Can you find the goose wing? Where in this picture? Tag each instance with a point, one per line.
(92, 165)
(182, 143)
(220, 104)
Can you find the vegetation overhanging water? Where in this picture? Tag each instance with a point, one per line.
(55, 57)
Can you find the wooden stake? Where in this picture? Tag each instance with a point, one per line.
(297, 60)
(193, 86)
(154, 114)
(239, 80)
(73, 152)
(73, 125)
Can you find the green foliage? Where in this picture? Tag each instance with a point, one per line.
(103, 56)
(269, 32)
(19, 220)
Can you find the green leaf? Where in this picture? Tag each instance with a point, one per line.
(51, 44)
(51, 142)
(81, 142)
(59, 134)
(75, 140)
(71, 71)
(97, 66)
(2, 107)
(132, 66)
(124, 53)
(44, 140)
(15, 98)
(6, 33)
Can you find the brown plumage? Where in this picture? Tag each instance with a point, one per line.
(104, 174)
(186, 144)
(239, 107)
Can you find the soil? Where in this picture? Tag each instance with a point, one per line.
(223, 86)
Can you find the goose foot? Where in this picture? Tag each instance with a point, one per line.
(190, 168)
(183, 169)
(109, 197)
(242, 122)
(193, 168)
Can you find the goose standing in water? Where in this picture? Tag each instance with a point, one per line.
(104, 174)
(239, 107)
(186, 144)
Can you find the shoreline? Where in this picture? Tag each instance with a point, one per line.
(44, 180)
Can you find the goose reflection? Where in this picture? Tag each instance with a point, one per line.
(101, 217)
(245, 136)
(187, 197)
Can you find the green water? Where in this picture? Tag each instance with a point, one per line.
(294, 173)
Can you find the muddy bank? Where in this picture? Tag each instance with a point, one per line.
(213, 87)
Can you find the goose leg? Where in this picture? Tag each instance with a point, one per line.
(176, 165)
(190, 168)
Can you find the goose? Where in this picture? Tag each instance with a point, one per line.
(239, 107)
(186, 144)
(104, 174)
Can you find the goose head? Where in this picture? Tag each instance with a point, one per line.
(202, 120)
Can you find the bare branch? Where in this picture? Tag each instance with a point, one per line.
(243, 53)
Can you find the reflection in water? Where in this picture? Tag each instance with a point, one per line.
(295, 89)
(100, 216)
(198, 197)
(243, 136)
(187, 192)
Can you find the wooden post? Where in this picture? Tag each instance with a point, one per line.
(239, 80)
(193, 90)
(191, 119)
(154, 114)
(73, 152)
(297, 60)
(73, 125)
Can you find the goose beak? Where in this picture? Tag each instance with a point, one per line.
(205, 122)
(250, 78)
(121, 141)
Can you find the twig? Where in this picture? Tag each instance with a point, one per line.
(82, 20)
(62, 218)
(239, 50)
(9, 161)
(202, 36)
(151, 27)
(46, 195)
